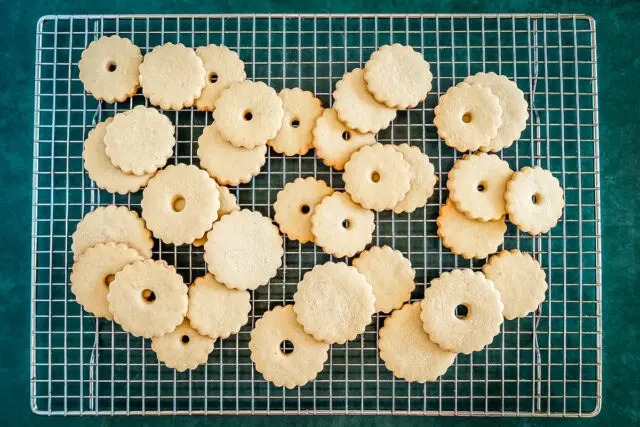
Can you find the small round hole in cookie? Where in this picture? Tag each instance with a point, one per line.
(346, 135)
(536, 199)
(346, 224)
(467, 117)
(185, 339)
(148, 295)
(178, 203)
(213, 77)
(375, 176)
(482, 186)
(111, 66)
(247, 115)
(109, 278)
(462, 311)
(295, 123)
(305, 209)
(286, 347)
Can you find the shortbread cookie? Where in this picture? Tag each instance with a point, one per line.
(172, 76)
(248, 114)
(468, 117)
(223, 67)
(377, 177)
(301, 110)
(102, 171)
(93, 272)
(182, 349)
(295, 204)
(520, 281)
(180, 203)
(407, 350)
(228, 164)
(477, 183)
(244, 250)
(534, 200)
(270, 344)
(357, 108)
(340, 226)
(334, 302)
(514, 108)
(139, 141)
(112, 224)
(398, 76)
(444, 319)
(334, 142)
(390, 275)
(109, 68)
(148, 298)
(423, 179)
(467, 237)
(228, 204)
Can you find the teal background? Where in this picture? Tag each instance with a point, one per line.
(618, 35)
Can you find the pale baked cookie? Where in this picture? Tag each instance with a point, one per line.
(93, 272)
(180, 203)
(109, 68)
(115, 224)
(398, 76)
(334, 142)
(468, 117)
(407, 350)
(423, 179)
(534, 200)
(100, 168)
(514, 108)
(477, 183)
(139, 141)
(340, 226)
(248, 114)
(295, 205)
(444, 319)
(301, 110)
(148, 298)
(390, 275)
(182, 349)
(377, 177)
(243, 250)
(228, 204)
(228, 164)
(271, 341)
(357, 108)
(223, 67)
(520, 281)
(334, 302)
(172, 76)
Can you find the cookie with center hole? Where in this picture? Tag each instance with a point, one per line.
(301, 110)
(423, 179)
(222, 67)
(183, 348)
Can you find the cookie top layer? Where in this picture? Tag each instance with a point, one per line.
(301, 110)
(223, 67)
(183, 348)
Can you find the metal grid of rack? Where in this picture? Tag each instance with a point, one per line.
(548, 364)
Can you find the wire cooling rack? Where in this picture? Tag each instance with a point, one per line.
(548, 364)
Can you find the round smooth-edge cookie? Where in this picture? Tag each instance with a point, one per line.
(286, 368)
(468, 117)
(514, 108)
(398, 76)
(115, 224)
(295, 204)
(148, 298)
(534, 200)
(183, 348)
(334, 142)
(228, 204)
(172, 76)
(423, 179)
(390, 275)
(519, 279)
(109, 68)
(139, 141)
(377, 177)
(215, 310)
(223, 67)
(477, 183)
(102, 171)
(341, 227)
(357, 108)
(226, 163)
(407, 350)
(462, 333)
(301, 110)
(248, 114)
(467, 237)
(180, 203)
(244, 250)
(334, 302)
(93, 272)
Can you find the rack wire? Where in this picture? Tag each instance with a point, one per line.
(548, 364)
